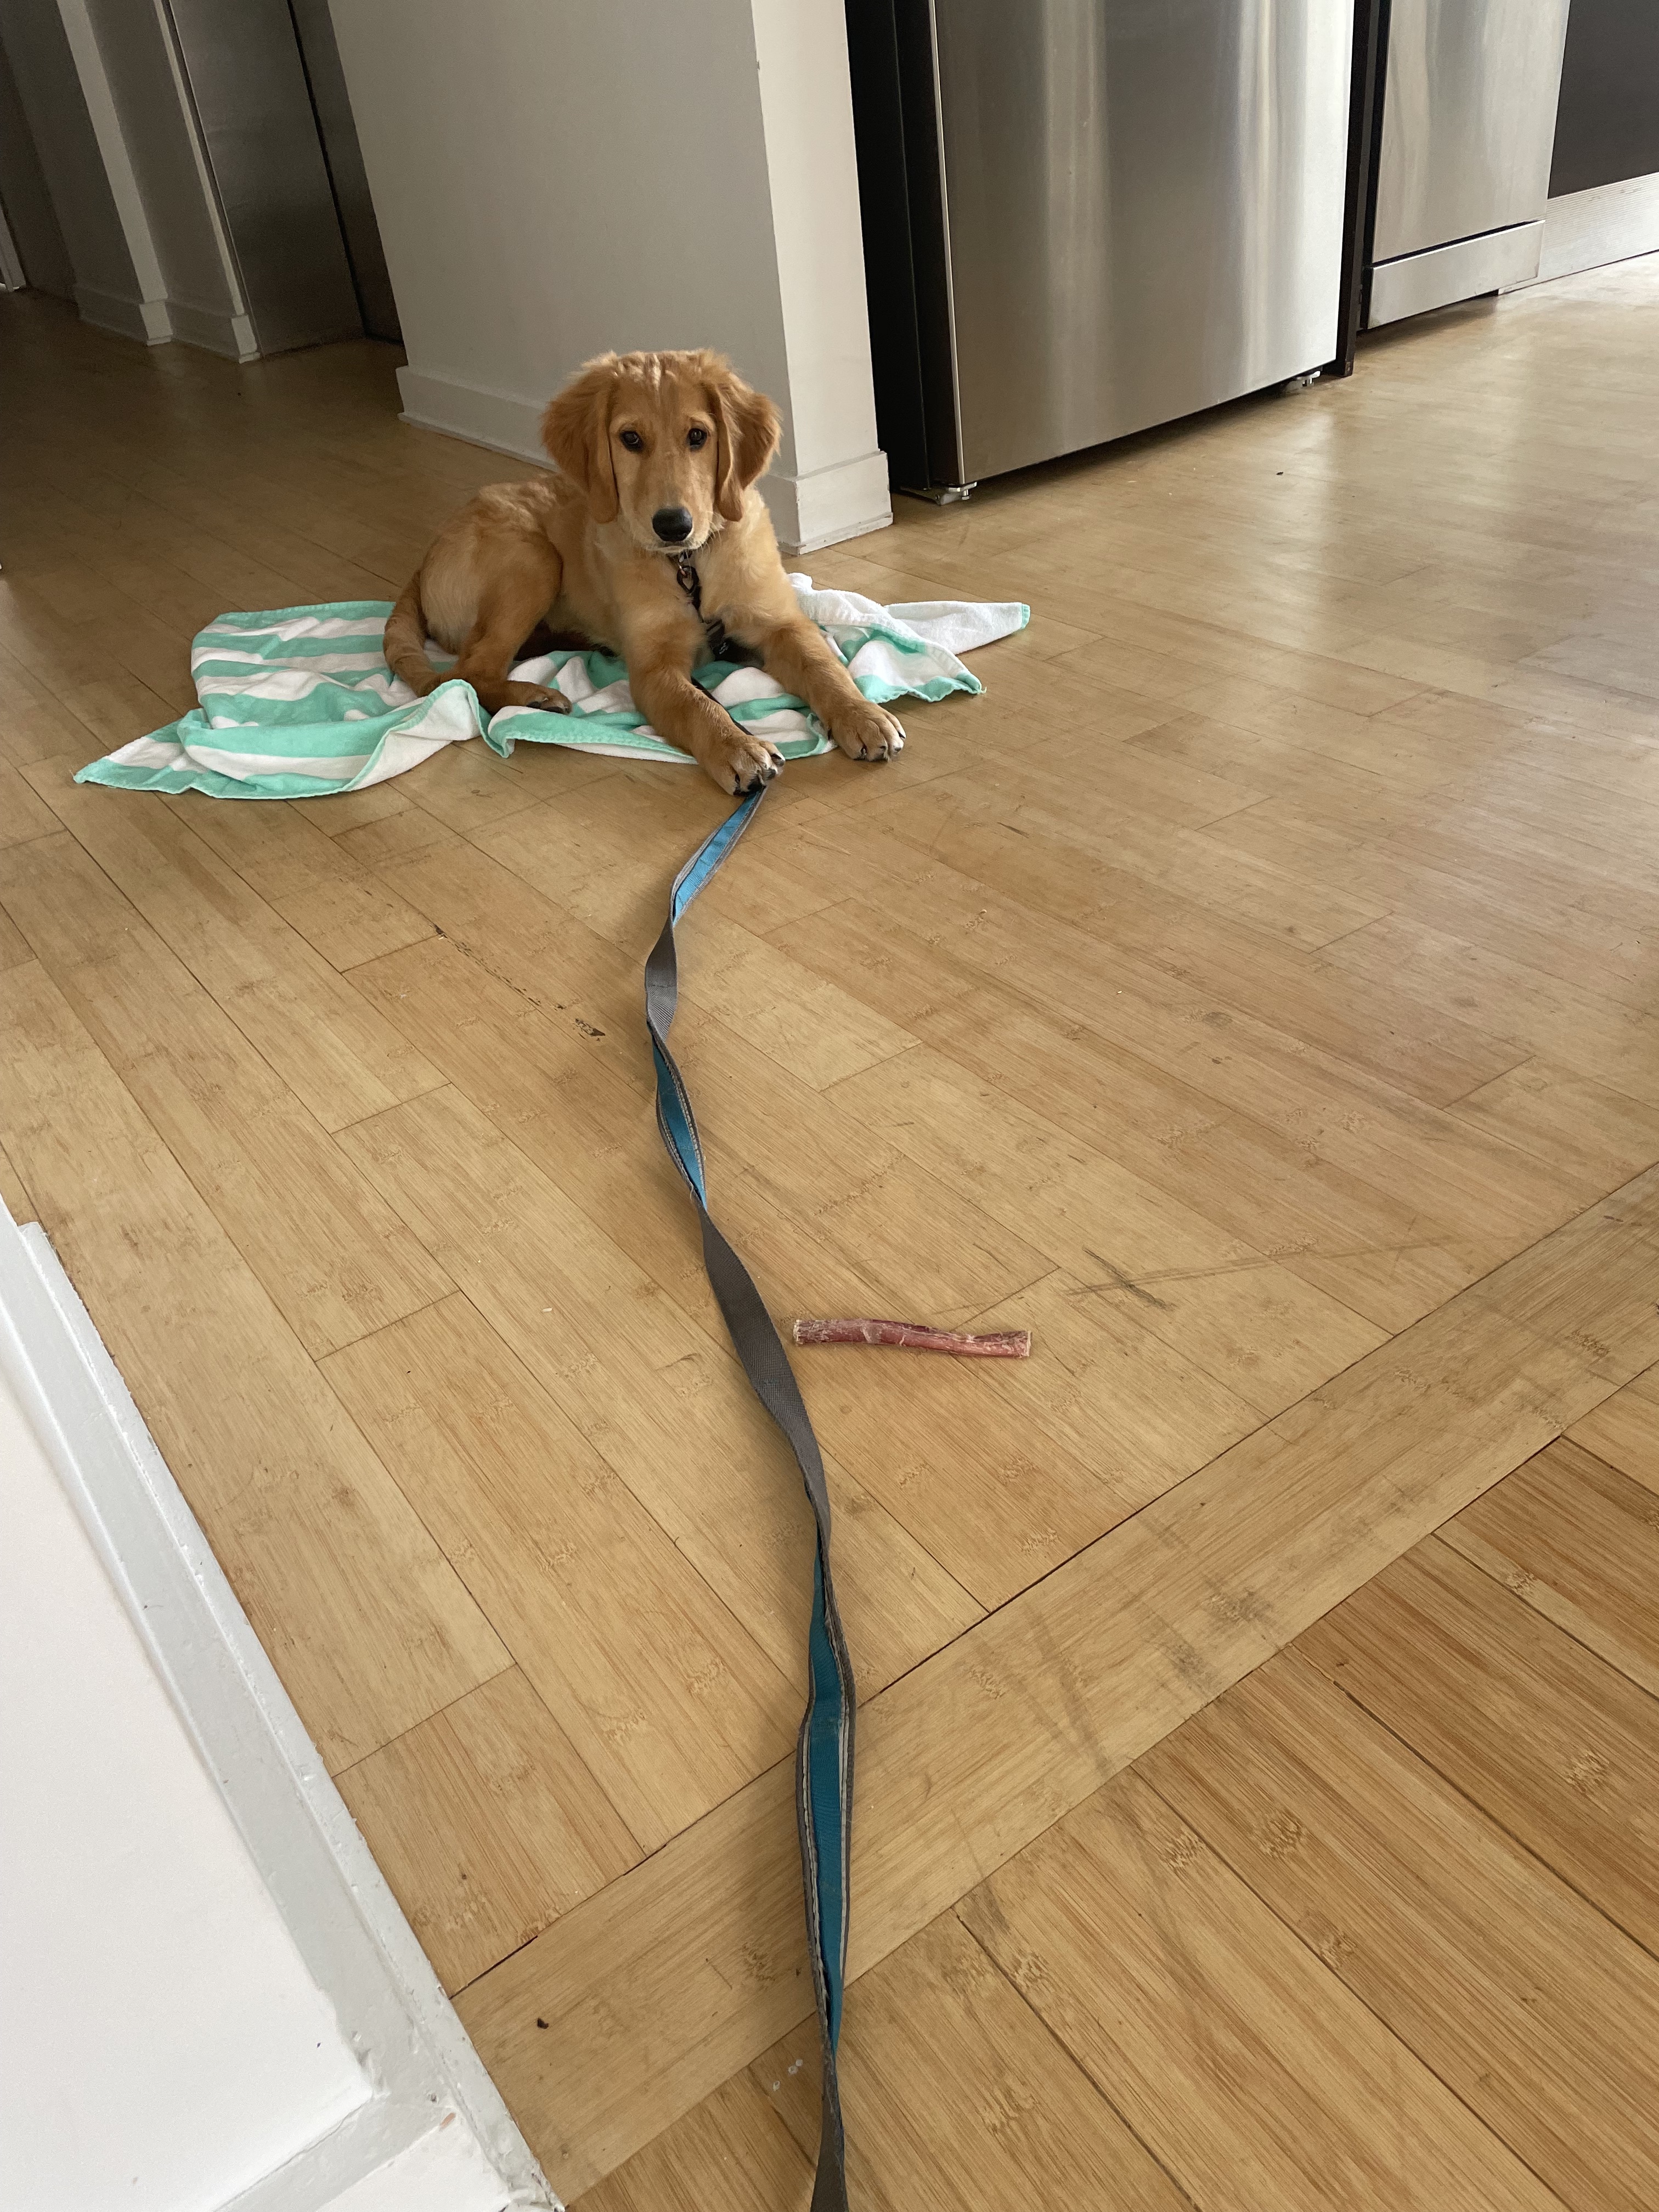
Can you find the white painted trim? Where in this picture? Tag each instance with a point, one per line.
(495, 419)
(244, 328)
(113, 145)
(407, 2146)
(147, 320)
(214, 329)
(846, 500)
(1609, 223)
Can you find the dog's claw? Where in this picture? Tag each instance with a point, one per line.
(743, 784)
(869, 733)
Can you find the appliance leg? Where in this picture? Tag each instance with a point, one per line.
(1301, 383)
(941, 495)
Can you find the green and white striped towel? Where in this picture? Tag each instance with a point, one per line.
(298, 701)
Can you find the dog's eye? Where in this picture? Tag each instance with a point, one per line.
(696, 440)
(632, 440)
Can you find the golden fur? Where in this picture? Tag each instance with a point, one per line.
(636, 435)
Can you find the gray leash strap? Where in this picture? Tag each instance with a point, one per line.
(823, 1755)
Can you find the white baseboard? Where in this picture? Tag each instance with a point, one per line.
(216, 330)
(1609, 223)
(807, 512)
(147, 320)
(847, 500)
(432, 2134)
(494, 419)
(158, 322)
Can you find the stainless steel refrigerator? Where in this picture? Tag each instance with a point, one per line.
(1084, 217)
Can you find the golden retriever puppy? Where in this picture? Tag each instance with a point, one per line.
(652, 542)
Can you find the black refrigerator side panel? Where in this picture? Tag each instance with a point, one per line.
(885, 217)
(901, 198)
(1370, 46)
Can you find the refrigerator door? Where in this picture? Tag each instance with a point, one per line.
(1143, 209)
(1468, 119)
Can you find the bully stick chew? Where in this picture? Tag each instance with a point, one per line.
(1011, 1344)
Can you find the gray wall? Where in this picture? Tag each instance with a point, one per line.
(1606, 127)
(27, 201)
(70, 155)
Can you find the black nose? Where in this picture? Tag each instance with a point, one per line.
(673, 524)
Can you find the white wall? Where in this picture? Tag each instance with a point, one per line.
(553, 182)
(806, 107)
(158, 133)
(163, 2046)
(211, 2001)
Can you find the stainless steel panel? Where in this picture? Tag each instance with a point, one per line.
(1415, 282)
(1468, 118)
(241, 61)
(338, 128)
(1609, 223)
(1144, 204)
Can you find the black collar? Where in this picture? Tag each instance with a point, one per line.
(686, 577)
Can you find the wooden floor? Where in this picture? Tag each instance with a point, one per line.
(1253, 993)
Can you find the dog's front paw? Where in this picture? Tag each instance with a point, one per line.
(865, 732)
(741, 763)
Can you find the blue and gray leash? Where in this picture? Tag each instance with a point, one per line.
(824, 1758)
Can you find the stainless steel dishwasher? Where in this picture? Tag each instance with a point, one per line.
(1468, 127)
(1084, 217)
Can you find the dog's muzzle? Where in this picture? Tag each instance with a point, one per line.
(673, 524)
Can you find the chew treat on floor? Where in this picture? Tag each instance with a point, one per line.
(912, 1336)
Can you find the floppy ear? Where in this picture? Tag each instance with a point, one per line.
(576, 432)
(748, 430)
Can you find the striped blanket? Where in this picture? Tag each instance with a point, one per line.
(298, 701)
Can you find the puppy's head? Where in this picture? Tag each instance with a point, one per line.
(669, 442)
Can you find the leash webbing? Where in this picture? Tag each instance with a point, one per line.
(823, 1756)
